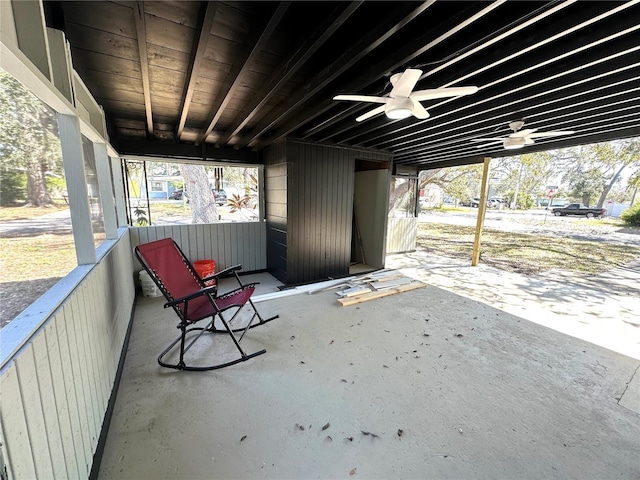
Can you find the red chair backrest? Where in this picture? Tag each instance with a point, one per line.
(166, 261)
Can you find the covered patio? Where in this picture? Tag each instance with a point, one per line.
(426, 383)
(451, 387)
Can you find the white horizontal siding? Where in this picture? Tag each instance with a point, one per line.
(401, 234)
(227, 243)
(54, 392)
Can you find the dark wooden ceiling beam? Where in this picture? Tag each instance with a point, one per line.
(200, 47)
(543, 14)
(406, 55)
(598, 132)
(183, 151)
(519, 65)
(610, 106)
(570, 109)
(499, 57)
(539, 80)
(587, 121)
(141, 33)
(291, 65)
(365, 45)
(253, 56)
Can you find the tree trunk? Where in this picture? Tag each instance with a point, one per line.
(608, 187)
(37, 194)
(196, 183)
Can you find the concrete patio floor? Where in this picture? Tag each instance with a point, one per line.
(451, 387)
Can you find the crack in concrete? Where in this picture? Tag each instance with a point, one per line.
(629, 383)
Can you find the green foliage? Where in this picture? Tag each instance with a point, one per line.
(140, 213)
(29, 141)
(525, 201)
(13, 187)
(631, 216)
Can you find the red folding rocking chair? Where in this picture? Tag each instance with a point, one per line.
(193, 300)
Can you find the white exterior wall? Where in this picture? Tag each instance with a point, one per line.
(227, 243)
(401, 234)
(55, 390)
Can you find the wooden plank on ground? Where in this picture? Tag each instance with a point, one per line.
(345, 302)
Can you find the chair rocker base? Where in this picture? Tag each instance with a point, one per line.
(213, 329)
(182, 364)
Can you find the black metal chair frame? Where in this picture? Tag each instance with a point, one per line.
(237, 298)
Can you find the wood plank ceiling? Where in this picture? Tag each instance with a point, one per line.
(241, 75)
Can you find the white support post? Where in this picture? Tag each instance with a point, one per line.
(118, 186)
(73, 159)
(103, 170)
(482, 208)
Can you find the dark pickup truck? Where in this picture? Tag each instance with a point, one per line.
(577, 209)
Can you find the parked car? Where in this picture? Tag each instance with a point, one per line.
(220, 197)
(176, 194)
(577, 209)
(495, 203)
(474, 202)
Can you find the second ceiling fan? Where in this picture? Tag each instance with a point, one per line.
(402, 101)
(520, 138)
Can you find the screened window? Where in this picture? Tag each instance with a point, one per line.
(161, 193)
(93, 192)
(36, 246)
(403, 197)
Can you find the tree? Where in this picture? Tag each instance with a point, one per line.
(28, 140)
(593, 170)
(524, 176)
(203, 205)
(462, 182)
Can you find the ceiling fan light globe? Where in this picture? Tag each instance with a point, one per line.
(513, 143)
(398, 113)
(399, 108)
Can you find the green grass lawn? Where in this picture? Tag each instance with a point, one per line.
(525, 253)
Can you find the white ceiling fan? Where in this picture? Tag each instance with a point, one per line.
(402, 101)
(519, 138)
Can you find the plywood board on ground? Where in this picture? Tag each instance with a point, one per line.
(345, 302)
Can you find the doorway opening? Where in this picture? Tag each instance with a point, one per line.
(369, 225)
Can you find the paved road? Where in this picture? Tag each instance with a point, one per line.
(58, 222)
(538, 222)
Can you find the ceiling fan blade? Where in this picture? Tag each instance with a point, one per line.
(551, 134)
(362, 98)
(523, 133)
(490, 139)
(442, 93)
(528, 141)
(419, 111)
(370, 113)
(404, 85)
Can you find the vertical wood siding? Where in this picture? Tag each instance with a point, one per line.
(320, 188)
(275, 173)
(401, 234)
(54, 393)
(227, 243)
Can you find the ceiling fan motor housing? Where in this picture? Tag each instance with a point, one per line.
(400, 107)
(514, 142)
